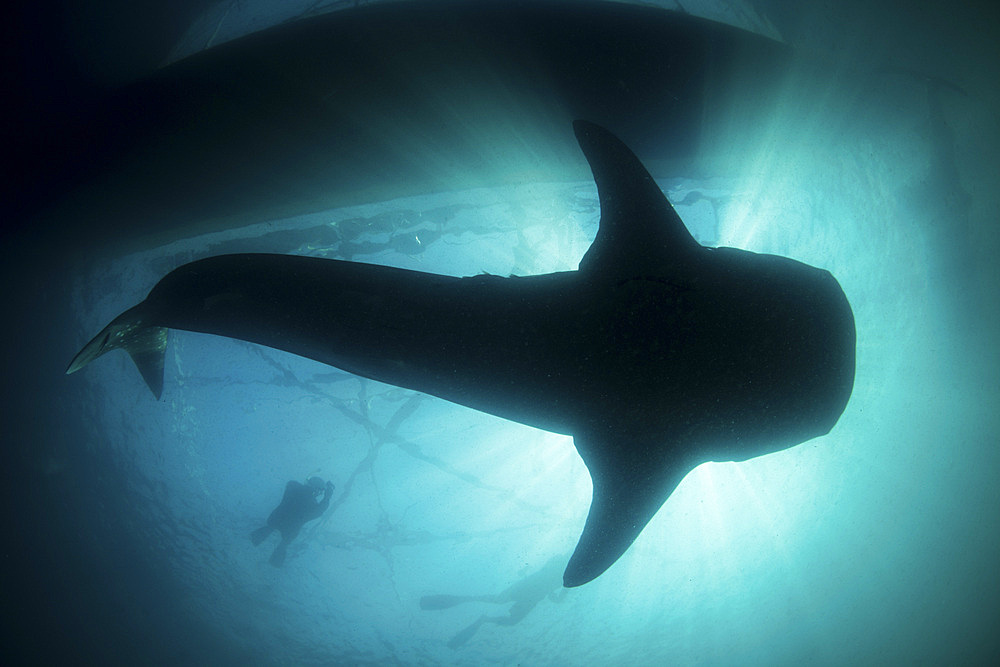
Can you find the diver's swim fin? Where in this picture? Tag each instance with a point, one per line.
(277, 558)
(435, 602)
(146, 345)
(466, 634)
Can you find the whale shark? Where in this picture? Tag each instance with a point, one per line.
(656, 355)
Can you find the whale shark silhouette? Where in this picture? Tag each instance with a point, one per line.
(656, 355)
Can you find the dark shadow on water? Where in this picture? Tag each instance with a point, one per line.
(82, 580)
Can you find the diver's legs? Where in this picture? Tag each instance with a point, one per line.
(260, 535)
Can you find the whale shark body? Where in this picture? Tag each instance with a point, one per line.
(656, 355)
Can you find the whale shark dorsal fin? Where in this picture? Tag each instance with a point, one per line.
(639, 231)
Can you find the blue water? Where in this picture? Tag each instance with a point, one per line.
(128, 519)
(770, 561)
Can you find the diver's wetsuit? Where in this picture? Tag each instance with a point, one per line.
(298, 505)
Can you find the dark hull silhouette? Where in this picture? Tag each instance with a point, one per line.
(389, 100)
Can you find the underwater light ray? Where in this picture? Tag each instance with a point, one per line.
(714, 530)
(767, 510)
(790, 146)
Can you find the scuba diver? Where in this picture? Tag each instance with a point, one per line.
(525, 594)
(298, 505)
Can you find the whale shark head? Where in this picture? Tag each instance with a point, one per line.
(736, 354)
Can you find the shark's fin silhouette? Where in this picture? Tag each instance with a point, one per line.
(630, 483)
(640, 233)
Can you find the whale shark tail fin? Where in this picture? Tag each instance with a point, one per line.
(146, 345)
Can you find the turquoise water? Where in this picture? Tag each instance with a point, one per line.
(775, 560)
(129, 518)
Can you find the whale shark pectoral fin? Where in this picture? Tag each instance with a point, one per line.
(629, 488)
(147, 345)
(639, 232)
